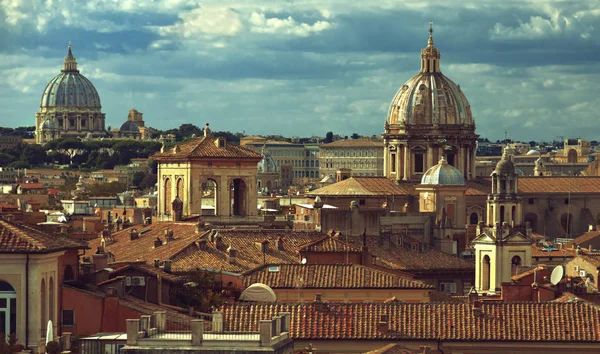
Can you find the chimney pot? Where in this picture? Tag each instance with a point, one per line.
(280, 243)
(158, 242)
(156, 262)
(167, 265)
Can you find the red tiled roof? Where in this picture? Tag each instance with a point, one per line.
(20, 238)
(328, 243)
(31, 186)
(207, 148)
(143, 267)
(499, 321)
(329, 276)
(559, 184)
(142, 249)
(248, 254)
(363, 186)
(588, 236)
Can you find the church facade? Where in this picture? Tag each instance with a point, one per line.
(70, 106)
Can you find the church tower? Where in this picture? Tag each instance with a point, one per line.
(539, 169)
(503, 243)
(429, 118)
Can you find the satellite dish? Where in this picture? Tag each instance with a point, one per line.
(304, 261)
(557, 275)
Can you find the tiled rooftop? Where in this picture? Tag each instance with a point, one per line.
(142, 249)
(347, 276)
(363, 186)
(206, 147)
(328, 243)
(20, 238)
(249, 256)
(588, 236)
(394, 349)
(499, 321)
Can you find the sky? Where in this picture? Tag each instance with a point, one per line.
(306, 67)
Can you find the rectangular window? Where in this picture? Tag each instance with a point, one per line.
(361, 202)
(393, 163)
(68, 317)
(419, 163)
(566, 200)
(530, 200)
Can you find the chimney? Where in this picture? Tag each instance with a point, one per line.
(590, 248)
(167, 265)
(219, 242)
(231, 254)
(133, 234)
(112, 292)
(383, 324)
(202, 244)
(477, 310)
(578, 250)
(156, 262)
(280, 243)
(320, 306)
(199, 226)
(158, 242)
(169, 235)
(591, 227)
(262, 246)
(100, 261)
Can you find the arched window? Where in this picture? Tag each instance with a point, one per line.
(514, 265)
(572, 156)
(168, 200)
(513, 214)
(501, 214)
(473, 219)
(485, 273)
(68, 274)
(180, 188)
(8, 308)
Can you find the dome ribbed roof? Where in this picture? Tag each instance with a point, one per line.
(429, 97)
(533, 152)
(70, 88)
(130, 126)
(443, 174)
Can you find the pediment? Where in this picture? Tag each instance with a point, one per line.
(484, 238)
(517, 237)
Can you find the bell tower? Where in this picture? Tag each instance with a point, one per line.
(503, 243)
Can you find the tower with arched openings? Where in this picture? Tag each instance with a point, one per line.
(207, 177)
(503, 243)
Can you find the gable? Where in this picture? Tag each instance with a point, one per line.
(484, 238)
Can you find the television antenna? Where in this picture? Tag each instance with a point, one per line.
(557, 274)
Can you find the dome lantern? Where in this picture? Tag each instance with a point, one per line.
(430, 56)
(70, 63)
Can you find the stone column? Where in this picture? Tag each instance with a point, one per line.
(197, 327)
(133, 329)
(407, 167)
(430, 160)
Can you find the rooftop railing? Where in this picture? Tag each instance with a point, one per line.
(156, 330)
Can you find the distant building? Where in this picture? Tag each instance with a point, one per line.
(9, 141)
(70, 106)
(363, 157)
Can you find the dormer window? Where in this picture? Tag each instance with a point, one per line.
(220, 143)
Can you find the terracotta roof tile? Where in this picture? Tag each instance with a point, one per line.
(207, 148)
(32, 186)
(20, 238)
(142, 249)
(328, 243)
(363, 186)
(499, 321)
(588, 236)
(143, 267)
(328, 276)
(558, 184)
(207, 254)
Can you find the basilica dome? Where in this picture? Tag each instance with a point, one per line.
(130, 126)
(70, 88)
(429, 98)
(443, 174)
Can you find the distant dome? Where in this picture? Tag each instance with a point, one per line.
(430, 98)
(130, 126)
(533, 152)
(49, 124)
(70, 88)
(267, 164)
(443, 174)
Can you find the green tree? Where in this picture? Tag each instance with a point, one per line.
(70, 147)
(6, 159)
(355, 136)
(106, 189)
(329, 137)
(149, 181)
(138, 177)
(187, 130)
(34, 154)
(202, 291)
(19, 164)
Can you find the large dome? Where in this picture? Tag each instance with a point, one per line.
(70, 88)
(429, 98)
